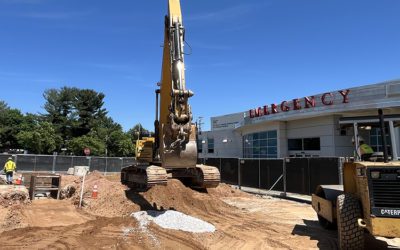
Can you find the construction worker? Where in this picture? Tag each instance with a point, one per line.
(9, 169)
(365, 150)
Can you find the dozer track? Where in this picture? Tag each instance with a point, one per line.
(142, 176)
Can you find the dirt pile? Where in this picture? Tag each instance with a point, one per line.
(224, 190)
(11, 217)
(116, 200)
(111, 200)
(10, 196)
(176, 196)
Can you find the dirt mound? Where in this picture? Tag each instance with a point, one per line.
(111, 200)
(116, 200)
(178, 197)
(10, 197)
(11, 217)
(225, 190)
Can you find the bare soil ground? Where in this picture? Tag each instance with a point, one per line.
(243, 221)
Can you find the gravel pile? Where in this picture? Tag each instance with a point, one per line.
(173, 220)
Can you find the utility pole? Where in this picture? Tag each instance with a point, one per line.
(199, 122)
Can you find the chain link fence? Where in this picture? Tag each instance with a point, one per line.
(59, 164)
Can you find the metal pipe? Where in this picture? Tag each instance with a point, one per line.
(383, 135)
(356, 142)
(393, 139)
(157, 106)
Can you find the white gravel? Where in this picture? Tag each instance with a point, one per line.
(173, 220)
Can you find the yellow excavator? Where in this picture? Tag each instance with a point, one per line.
(172, 153)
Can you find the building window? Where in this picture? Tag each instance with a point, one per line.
(304, 144)
(261, 145)
(210, 144)
(199, 147)
(376, 140)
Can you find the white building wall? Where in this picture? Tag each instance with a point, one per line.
(321, 127)
(227, 144)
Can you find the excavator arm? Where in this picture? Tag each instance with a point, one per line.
(176, 142)
(173, 152)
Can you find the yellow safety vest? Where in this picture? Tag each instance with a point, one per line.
(366, 149)
(9, 166)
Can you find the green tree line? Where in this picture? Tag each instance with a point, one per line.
(74, 119)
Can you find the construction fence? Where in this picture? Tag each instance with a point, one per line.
(58, 163)
(294, 175)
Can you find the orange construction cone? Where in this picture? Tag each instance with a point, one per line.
(94, 192)
(19, 180)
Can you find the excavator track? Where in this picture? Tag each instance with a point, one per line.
(201, 176)
(207, 176)
(142, 176)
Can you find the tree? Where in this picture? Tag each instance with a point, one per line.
(89, 109)
(42, 139)
(76, 145)
(116, 141)
(10, 123)
(60, 109)
(3, 106)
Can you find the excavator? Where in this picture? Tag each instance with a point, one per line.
(172, 152)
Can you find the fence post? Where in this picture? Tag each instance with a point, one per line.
(105, 170)
(90, 162)
(122, 163)
(54, 163)
(239, 175)
(16, 160)
(259, 173)
(220, 165)
(309, 176)
(284, 175)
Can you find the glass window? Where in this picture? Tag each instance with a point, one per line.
(264, 135)
(260, 145)
(272, 134)
(210, 144)
(376, 140)
(273, 142)
(264, 143)
(304, 144)
(295, 144)
(311, 143)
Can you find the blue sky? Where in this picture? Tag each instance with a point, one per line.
(244, 53)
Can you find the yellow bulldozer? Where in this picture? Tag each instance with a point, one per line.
(172, 152)
(368, 200)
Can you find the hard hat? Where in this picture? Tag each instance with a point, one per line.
(10, 158)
